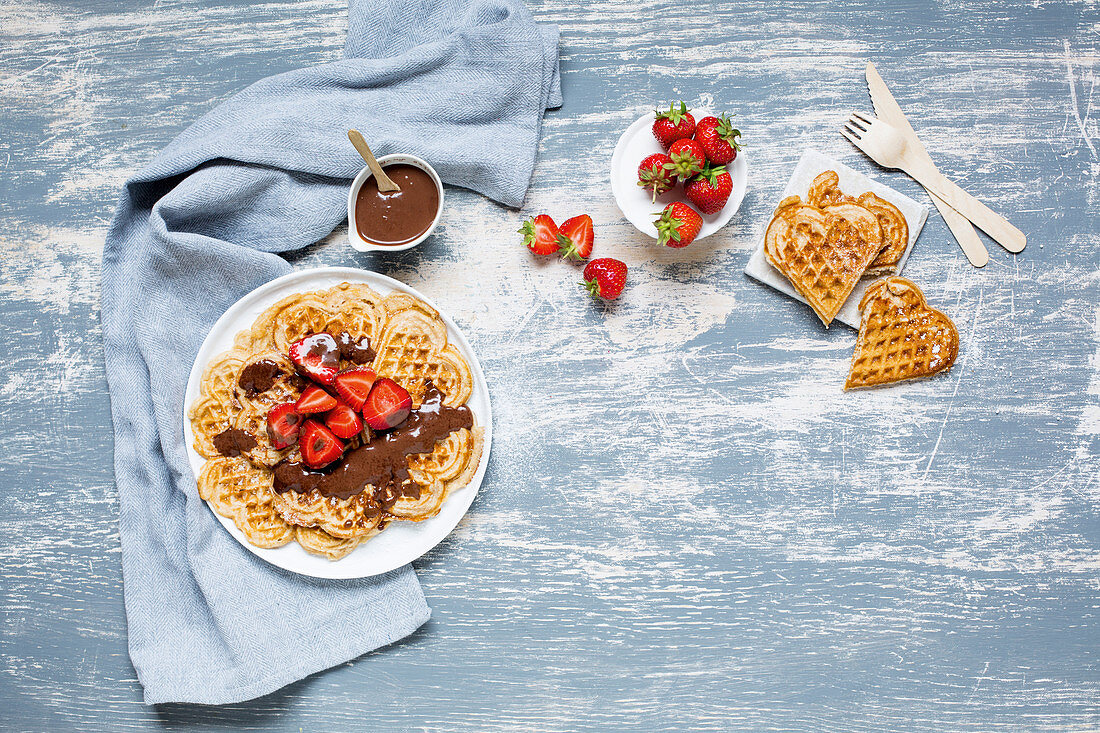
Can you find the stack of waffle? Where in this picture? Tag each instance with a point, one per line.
(411, 347)
(825, 245)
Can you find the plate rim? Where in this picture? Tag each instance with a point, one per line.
(740, 181)
(228, 322)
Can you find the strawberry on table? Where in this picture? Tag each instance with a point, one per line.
(576, 237)
(718, 138)
(710, 190)
(541, 235)
(314, 400)
(605, 278)
(687, 158)
(343, 422)
(318, 445)
(678, 225)
(354, 385)
(676, 124)
(655, 174)
(283, 424)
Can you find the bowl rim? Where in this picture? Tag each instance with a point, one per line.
(362, 245)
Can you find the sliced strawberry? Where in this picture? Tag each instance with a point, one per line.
(318, 445)
(354, 385)
(388, 405)
(343, 421)
(541, 235)
(316, 356)
(314, 400)
(283, 424)
(576, 237)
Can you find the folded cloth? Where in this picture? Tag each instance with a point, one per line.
(460, 83)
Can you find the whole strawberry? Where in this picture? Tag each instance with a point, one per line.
(676, 124)
(688, 158)
(718, 138)
(710, 190)
(605, 278)
(678, 225)
(655, 174)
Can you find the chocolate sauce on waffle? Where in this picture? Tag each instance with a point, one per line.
(355, 350)
(233, 442)
(381, 463)
(259, 376)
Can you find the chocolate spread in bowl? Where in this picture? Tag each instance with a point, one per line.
(391, 219)
(381, 463)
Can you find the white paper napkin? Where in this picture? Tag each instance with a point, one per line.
(852, 183)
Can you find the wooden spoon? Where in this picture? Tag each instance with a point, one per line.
(385, 184)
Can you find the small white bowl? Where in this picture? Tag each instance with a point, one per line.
(363, 245)
(636, 203)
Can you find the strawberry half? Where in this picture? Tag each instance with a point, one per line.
(314, 400)
(354, 385)
(540, 235)
(318, 445)
(343, 422)
(316, 356)
(388, 405)
(283, 424)
(576, 237)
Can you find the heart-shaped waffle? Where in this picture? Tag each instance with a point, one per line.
(895, 234)
(413, 350)
(900, 337)
(823, 252)
(243, 493)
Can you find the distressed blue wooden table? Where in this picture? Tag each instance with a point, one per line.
(686, 523)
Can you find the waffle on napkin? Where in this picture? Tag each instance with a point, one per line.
(825, 244)
(240, 387)
(900, 336)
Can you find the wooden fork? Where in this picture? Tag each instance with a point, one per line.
(888, 147)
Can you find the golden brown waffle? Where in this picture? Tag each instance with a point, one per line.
(895, 234)
(449, 467)
(243, 493)
(822, 252)
(411, 342)
(320, 542)
(352, 518)
(900, 337)
(216, 408)
(357, 309)
(287, 387)
(413, 349)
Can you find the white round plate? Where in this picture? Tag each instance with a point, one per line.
(636, 203)
(400, 542)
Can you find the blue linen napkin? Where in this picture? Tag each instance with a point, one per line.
(461, 83)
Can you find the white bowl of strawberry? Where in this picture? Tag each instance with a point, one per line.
(679, 175)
